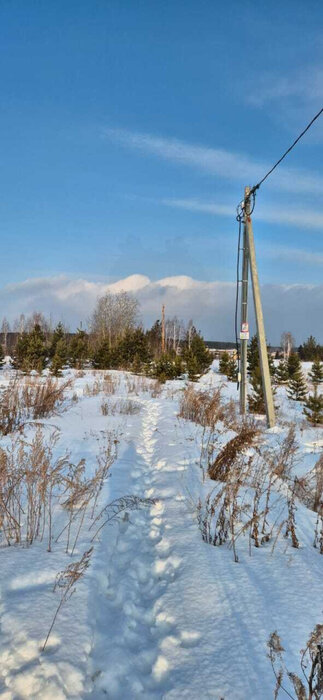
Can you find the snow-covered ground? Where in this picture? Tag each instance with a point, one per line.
(159, 613)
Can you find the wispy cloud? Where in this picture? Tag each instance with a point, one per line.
(298, 255)
(307, 85)
(301, 218)
(226, 164)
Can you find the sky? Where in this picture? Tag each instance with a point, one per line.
(128, 133)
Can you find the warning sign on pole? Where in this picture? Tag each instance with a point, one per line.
(244, 333)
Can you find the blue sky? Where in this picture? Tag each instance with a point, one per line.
(129, 130)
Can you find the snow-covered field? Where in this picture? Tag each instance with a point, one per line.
(159, 613)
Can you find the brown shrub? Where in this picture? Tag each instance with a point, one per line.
(201, 407)
(33, 399)
(247, 436)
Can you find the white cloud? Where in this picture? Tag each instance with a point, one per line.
(210, 304)
(302, 218)
(298, 255)
(306, 85)
(226, 164)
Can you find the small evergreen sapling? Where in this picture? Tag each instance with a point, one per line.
(254, 360)
(313, 408)
(58, 335)
(60, 357)
(293, 364)
(224, 362)
(256, 399)
(316, 373)
(31, 352)
(281, 374)
(79, 349)
(197, 357)
(297, 387)
(232, 370)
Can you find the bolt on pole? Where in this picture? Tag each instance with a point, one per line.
(244, 332)
(264, 365)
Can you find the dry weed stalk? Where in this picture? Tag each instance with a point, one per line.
(254, 494)
(65, 583)
(247, 436)
(122, 406)
(290, 524)
(202, 407)
(84, 493)
(32, 399)
(30, 480)
(119, 505)
(311, 664)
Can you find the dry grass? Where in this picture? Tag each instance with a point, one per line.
(247, 436)
(65, 582)
(106, 384)
(31, 399)
(138, 384)
(255, 494)
(30, 479)
(309, 686)
(34, 485)
(122, 406)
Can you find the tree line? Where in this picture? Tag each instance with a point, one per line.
(115, 339)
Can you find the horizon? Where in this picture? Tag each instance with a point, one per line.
(210, 305)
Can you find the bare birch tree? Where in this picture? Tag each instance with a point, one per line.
(113, 316)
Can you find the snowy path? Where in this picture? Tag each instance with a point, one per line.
(135, 577)
(173, 617)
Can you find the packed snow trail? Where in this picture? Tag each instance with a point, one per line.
(172, 616)
(134, 577)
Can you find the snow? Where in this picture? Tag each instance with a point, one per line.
(159, 614)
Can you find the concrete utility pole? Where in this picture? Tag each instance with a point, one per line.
(244, 331)
(163, 329)
(264, 365)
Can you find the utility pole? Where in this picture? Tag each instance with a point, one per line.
(244, 330)
(163, 329)
(264, 365)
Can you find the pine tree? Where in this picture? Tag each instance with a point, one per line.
(281, 374)
(232, 370)
(137, 364)
(253, 355)
(20, 353)
(223, 363)
(192, 369)
(297, 387)
(31, 353)
(58, 335)
(36, 349)
(254, 360)
(316, 373)
(60, 357)
(1, 356)
(311, 350)
(256, 399)
(134, 343)
(313, 407)
(197, 357)
(79, 349)
(154, 336)
(293, 364)
(167, 367)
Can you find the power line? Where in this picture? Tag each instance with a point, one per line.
(256, 187)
